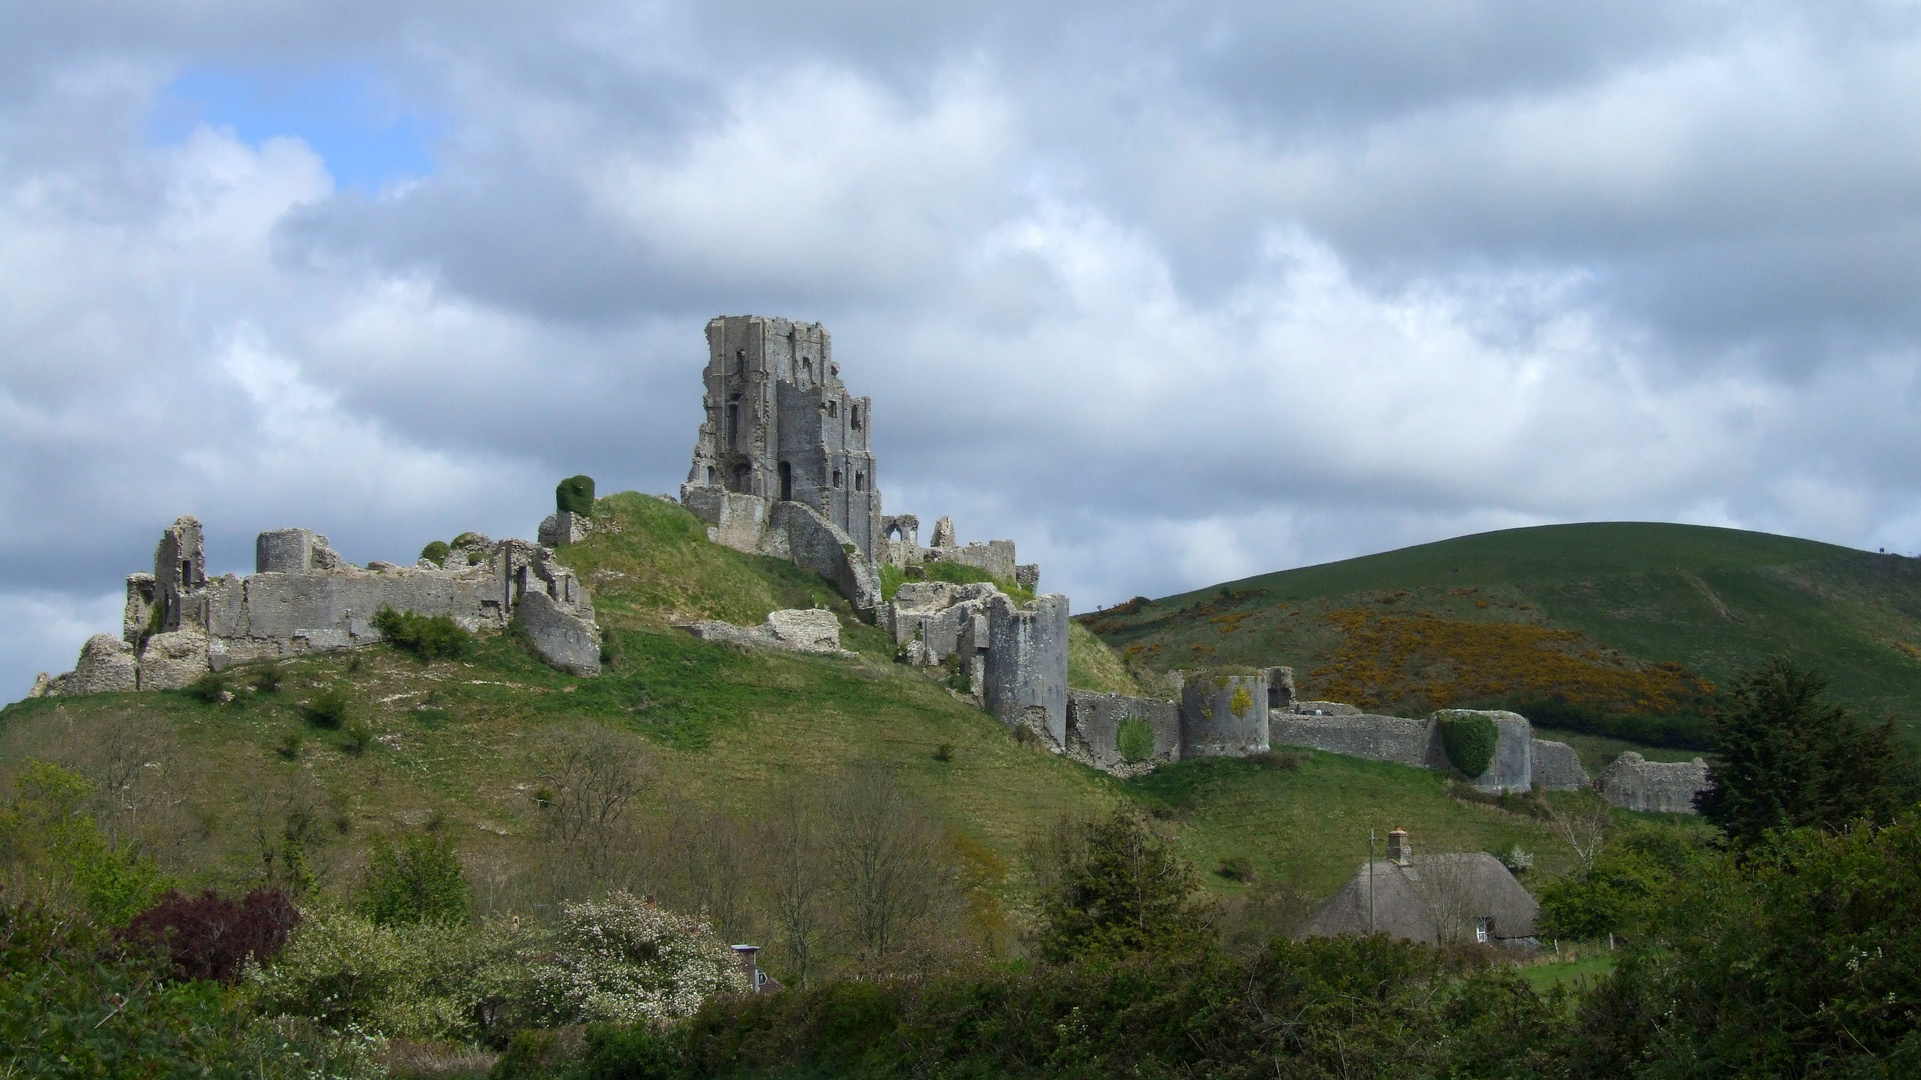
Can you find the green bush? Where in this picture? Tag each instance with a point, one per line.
(359, 736)
(52, 850)
(1135, 740)
(627, 1052)
(268, 677)
(421, 980)
(426, 637)
(1469, 741)
(417, 881)
(328, 709)
(70, 1006)
(575, 495)
(436, 552)
(209, 688)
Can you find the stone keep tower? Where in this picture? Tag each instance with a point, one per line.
(781, 425)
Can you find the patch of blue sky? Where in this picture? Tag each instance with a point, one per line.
(344, 113)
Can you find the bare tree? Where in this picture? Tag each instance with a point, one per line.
(588, 782)
(886, 860)
(1446, 883)
(1584, 826)
(792, 870)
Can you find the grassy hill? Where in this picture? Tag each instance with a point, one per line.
(1622, 615)
(224, 794)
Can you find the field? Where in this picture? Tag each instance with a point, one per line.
(1630, 617)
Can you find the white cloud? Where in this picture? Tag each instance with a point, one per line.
(1167, 302)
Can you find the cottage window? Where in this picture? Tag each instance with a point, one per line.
(1483, 930)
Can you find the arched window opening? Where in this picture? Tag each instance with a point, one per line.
(854, 418)
(786, 482)
(710, 476)
(833, 408)
(860, 481)
(743, 475)
(836, 477)
(740, 361)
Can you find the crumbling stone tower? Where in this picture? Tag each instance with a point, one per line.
(782, 427)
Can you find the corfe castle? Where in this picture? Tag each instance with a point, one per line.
(784, 466)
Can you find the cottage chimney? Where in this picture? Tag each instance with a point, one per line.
(745, 954)
(1398, 849)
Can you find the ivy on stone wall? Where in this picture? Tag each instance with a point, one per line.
(1469, 742)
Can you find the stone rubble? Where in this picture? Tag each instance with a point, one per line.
(806, 630)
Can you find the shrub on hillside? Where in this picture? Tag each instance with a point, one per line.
(210, 688)
(52, 851)
(427, 637)
(418, 880)
(69, 1008)
(625, 960)
(421, 980)
(436, 551)
(328, 709)
(575, 495)
(1469, 741)
(210, 936)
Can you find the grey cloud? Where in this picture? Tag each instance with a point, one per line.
(1168, 293)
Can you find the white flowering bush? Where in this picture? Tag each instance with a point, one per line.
(624, 960)
(407, 980)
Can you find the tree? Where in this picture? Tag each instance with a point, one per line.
(587, 785)
(1117, 884)
(793, 872)
(418, 881)
(1789, 760)
(887, 861)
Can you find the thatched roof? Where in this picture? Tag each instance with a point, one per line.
(1431, 898)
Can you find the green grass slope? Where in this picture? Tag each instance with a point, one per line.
(222, 793)
(1715, 601)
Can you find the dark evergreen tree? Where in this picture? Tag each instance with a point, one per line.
(1118, 885)
(1790, 760)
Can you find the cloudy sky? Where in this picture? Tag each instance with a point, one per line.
(1169, 293)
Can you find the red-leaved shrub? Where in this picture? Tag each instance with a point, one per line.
(209, 936)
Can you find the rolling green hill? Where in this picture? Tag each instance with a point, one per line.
(224, 794)
(1623, 615)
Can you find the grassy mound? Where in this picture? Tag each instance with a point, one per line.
(1616, 616)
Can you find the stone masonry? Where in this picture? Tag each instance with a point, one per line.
(1520, 760)
(784, 466)
(303, 597)
(1633, 782)
(1014, 655)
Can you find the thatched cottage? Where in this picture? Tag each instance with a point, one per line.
(1435, 899)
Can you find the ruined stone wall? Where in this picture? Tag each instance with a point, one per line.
(781, 425)
(1512, 769)
(1224, 715)
(1093, 730)
(1633, 782)
(1557, 767)
(1377, 738)
(994, 556)
(787, 530)
(1025, 675)
(305, 598)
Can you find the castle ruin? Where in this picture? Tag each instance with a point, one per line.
(179, 624)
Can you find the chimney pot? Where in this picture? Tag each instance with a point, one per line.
(1398, 849)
